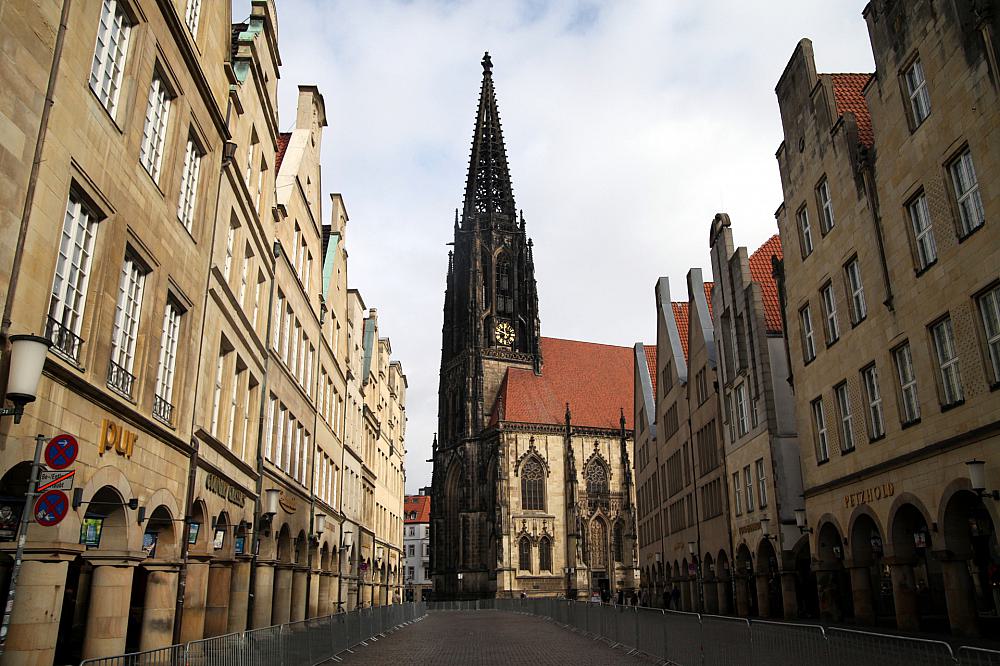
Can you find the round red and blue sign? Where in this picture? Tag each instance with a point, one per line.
(61, 451)
(51, 508)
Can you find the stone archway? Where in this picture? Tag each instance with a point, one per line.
(871, 584)
(833, 586)
(768, 572)
(724, 574)
(969, 544)
(917, 585)
(745, 583)
(281, 597)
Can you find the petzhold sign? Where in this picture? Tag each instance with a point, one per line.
(225, 490)
(869, 495)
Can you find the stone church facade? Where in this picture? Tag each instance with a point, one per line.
(533, 462)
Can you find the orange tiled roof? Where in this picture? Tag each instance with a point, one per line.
(849, 96)
(419, 504)
(596, 380)
(761, 273)
(279, 156)
(651, 364)
(681, 317)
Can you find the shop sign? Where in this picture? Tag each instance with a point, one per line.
(287, 503)
(869, 495)
(747, 529)
(114, 436)
(224, 489)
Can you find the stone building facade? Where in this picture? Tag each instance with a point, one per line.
(892, 303)
(197, 303)
(532, 472)
(772, 573)
(684, 545)
(418, 583)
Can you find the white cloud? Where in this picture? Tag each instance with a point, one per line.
(628, 126)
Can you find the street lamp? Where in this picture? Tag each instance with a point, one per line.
(765, 530)
(802, 522)
(977, 478)
(320, 523)
(27, 358)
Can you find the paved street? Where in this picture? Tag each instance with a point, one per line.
(487, 637)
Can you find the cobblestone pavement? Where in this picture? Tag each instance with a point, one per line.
(487, 637)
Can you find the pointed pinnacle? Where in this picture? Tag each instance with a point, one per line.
(487, 63)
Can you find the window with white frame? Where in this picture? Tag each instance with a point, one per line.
(234, 395)
(737, 495)
(748, 484)
(220, 376)
(191, 15)
(279, 310)
(164, 390)
(808, 339)
(189, 184)
(113, 32)
(873, 394)
(923, 232)
(227, 265)
(272, 403)
(126, 327)
(825, 206)
(741, 409)
(859, 308)
(761, 483)
(805, 231)
(245, 276)
(251, 151)
(947, 357)
(819, 431)
(909, 403)
(970, 204)
(71, 278)
(154, 130)
(916, 88)
(830, 324)
(844, 415)
(989, 311)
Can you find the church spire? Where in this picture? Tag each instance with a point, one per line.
(489, 198)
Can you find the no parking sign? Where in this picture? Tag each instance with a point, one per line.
(61, 451)
(51, 508)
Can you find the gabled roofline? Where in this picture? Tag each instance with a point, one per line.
(648, 399)
(665, 312)
(697, 296)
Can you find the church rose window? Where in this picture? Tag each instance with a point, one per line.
(545, 554)
(524, 554)
(532, 486)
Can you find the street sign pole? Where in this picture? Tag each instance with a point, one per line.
(22, 536)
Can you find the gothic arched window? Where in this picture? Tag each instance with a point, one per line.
(505, 301)
(485, 268)
(617, 542)
(545, 554)
(532, 485)
(524, 554)
(598, 544)
(597, 479)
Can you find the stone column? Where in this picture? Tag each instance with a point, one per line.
(160, 605)
(861, 592)
(711, 588)
(958, 593)
(314, 600)
(34, 620)
(195, 593)
(743, 595)
(322, 593)
(904, 594)
(281, 600)
(335, 594)
(763, 596)
(789, 598)
(220, 576)
(722, 589)
(110, 594)
(298, 607)
(685, 594)
(238, 595)
(263, 591)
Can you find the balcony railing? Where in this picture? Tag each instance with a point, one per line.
(163, 410)
(120, 380)
(64, 341)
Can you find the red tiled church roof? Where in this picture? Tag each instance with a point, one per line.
(596, 380)
(651, 364)
(849, 97)
(681, 316)
(761, 273)
(279, 156)
(419, 504)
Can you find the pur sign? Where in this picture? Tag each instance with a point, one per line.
(114, 436)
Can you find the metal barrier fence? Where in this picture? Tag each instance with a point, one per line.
(304, 643)
(693, 639)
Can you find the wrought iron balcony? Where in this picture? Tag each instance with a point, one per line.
(120, 380)
(64, 341)
(163, 410)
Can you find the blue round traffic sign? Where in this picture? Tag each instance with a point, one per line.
(61, 451)
(51, 508)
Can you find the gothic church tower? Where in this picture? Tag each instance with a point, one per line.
(490, 323)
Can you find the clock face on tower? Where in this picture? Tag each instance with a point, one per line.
(503, 333)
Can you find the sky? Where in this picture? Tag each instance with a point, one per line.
(628, 125)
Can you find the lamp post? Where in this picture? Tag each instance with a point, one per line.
(27, 358)
(977, 479)
(801, 521)
(696, 561)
